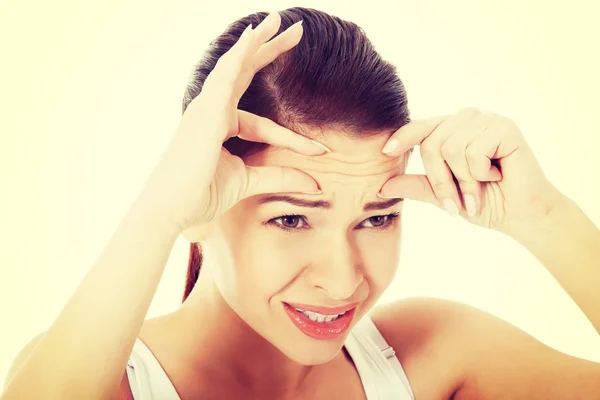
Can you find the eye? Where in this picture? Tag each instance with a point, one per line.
(379, 222)
(289, 222)
(292, 222)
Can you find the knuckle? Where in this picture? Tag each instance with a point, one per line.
(222, 79)
(227, 65)
(442, 189)
(467, 185)
(426, 186)
(471, 152)
(511, 125)
(451, 150)
(489, 115)
(249, 67)
(429, 148)
(222, 61)
(469, 111)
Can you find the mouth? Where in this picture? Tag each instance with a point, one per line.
(320, 322)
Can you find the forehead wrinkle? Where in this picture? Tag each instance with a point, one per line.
(327, 165)
(356, 192)
(351, 173)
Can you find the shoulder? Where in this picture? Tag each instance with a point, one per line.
(418, 322)
(123, 392)
(418, 329)
(21, 357)
(474, 354)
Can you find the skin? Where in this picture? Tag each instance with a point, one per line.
(216, 346)
(251, 268)
(241, 287)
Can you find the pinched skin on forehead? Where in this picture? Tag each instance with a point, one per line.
(354, 165)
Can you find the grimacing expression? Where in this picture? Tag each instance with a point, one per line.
(329, 249)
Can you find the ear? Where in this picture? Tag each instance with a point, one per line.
(197, 233)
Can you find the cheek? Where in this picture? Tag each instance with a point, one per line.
(272, 261)
(380, 254)
(263, 261)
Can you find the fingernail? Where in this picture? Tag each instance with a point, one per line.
(297, 23)
(451, 207)
(387, 197)
(470, 204)
(315, 192)
(390, 146)
(322, 146)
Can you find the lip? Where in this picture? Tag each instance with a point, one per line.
(321, 330)
(324, 310)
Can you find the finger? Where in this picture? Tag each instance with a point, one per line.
(228, 69)
(439, 174)
(273, 179)
(219, 86)
(470, 188)
(417, 131)
(279, 45)
(267, 53)
(454, 153)
(479, 154)
(503, 139)
(440, 178)
(259, 129)
(411, 135)
(407, 186)
(267, 28)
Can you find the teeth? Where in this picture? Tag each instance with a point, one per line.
(316, 317)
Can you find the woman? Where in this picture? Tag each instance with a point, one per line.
(288, 169)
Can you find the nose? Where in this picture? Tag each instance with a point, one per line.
(337, 269)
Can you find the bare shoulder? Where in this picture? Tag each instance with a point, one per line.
(122, 392)
(470, 354)
(418, 330)
(21, 357)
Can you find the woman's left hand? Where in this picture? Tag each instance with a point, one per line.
(478, 165)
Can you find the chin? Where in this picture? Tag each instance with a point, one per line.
(312, 352)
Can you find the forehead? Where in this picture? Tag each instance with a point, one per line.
(354, 166)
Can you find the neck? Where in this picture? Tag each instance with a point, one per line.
(223, 348)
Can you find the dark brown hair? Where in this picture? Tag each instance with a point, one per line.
(333, 79)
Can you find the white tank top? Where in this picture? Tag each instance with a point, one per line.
(380, 371)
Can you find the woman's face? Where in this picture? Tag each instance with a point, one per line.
(336, 249)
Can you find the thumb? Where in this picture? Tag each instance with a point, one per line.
(413, 187)
(273, 179)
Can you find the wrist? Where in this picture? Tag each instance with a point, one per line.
(151, 217)
(555, 209)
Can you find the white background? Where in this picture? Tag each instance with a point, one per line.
(91, 93)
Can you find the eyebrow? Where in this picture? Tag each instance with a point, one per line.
(375, 205)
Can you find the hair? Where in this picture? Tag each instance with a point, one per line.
(333, 79)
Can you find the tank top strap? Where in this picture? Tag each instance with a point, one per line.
(380, 371)
(386, 350)
(147, 379)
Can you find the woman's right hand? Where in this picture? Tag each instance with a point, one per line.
(197, 179)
